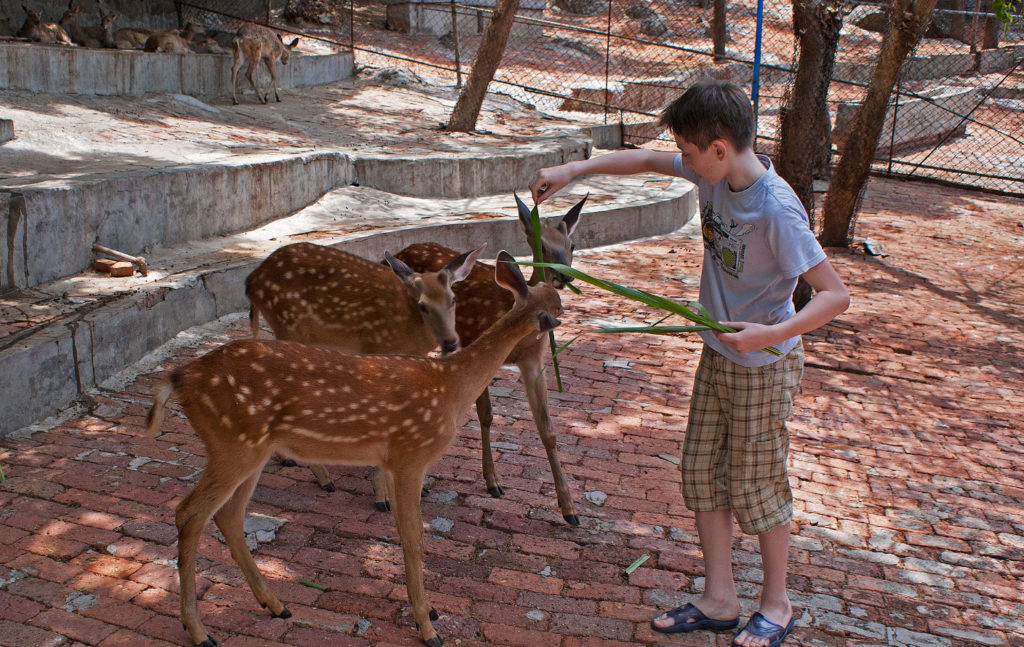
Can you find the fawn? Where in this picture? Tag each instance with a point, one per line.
(249, 399)
(255, 43)
(481, 303)
(42, 32)
(174, 41)
(321, 295)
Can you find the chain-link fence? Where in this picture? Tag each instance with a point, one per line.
(957, 114)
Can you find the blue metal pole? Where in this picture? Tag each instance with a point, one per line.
(755, 92)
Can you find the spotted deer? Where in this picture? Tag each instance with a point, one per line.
(253, 44)
(38, 31)
(321, 295)
(249, 399)
(481, 303)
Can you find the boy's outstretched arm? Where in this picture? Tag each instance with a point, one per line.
(548, 181)
(830, 300)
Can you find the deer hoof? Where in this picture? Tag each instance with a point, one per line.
(434, 642)
(572, 519)
(495, 491)
(424, 493)
(285, 613)
(382, 506)
(287, 462)
(209, 642)
(328, 487)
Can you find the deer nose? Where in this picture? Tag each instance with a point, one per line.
(450, 345)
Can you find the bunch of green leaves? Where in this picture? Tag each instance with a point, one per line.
(1006, 11)
(692, 310)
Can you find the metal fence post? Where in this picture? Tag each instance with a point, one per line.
(755, 92)
(455, 44)
(607, 58)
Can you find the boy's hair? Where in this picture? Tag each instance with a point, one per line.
(711, 109)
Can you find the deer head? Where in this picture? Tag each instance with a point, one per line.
(555, 240)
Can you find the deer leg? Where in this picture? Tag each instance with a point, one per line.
(235, 66)
(231, 521)
(249, 72)
(272, 68)
(408, 483)
(322, 477)
(485, 415)
(382, 489)
(537, 395)
(214, 488)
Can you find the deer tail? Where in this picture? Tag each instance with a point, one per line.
(156, 414)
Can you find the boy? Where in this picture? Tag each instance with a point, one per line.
(757, 243)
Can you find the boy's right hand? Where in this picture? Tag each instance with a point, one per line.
(549, 181)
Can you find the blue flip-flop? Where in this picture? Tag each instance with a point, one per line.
(690, 618)
(761, 627)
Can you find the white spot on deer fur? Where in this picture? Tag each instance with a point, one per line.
(245, 389)
(252, 410)
(257, 367)
(434, 402)
(426, 415)
(215, 380)
(231, 380)
(226, 422)
(208, 402)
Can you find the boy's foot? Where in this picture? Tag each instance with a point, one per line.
(762, 632)
(689, 618)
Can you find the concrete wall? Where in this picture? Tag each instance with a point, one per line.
(76, 70)
(6, 130)
(431, 17)
(918, 121)
(129, 212)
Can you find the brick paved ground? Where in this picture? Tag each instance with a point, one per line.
(906, 461)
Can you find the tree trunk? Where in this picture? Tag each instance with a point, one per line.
(719, 34)
(990, 33)
(958, 22)
(910, 17)
(492, 47)
(805, 133)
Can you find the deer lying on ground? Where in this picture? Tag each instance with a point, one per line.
(249, 399)
(254, 44)
(321, 295)
(481, 303)
(173, 41)
(131, 38)
(42, 32)
(96, 37)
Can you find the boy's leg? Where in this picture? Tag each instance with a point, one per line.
(703, 474)
(761, 498)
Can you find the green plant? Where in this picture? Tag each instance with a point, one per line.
(692, 310)
(1006, 11)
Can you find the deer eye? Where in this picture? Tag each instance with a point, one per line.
(422, 307)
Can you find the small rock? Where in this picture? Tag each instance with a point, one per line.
(596, 497)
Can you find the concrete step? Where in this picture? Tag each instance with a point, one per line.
(66, 336)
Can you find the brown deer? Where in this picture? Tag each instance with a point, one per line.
(255, 43)
(481, 303)
(42, 32)
(131, 38)
(96, 37)
(249, 399)
(174, 41)
(321, 295)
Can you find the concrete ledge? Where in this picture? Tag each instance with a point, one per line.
(133, 211)
(919, 122)
(45, 372)
(465, 175)
(78, 70)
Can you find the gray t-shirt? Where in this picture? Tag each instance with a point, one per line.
(757, 242)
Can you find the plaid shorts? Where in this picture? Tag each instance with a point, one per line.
(737, 444)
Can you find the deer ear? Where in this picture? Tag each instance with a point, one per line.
(461, 266)
(508, 276)
(398, 267)
(294, 43)
(572, 217)
(524, 217)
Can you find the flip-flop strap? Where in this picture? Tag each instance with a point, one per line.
(763, 627)
(687, 612)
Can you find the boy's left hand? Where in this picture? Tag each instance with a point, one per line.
(749, 338)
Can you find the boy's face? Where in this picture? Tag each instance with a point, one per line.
(711, 164)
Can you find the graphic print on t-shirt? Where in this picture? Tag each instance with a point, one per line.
(724, 241)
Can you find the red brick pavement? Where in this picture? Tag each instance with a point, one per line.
(905, 463)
